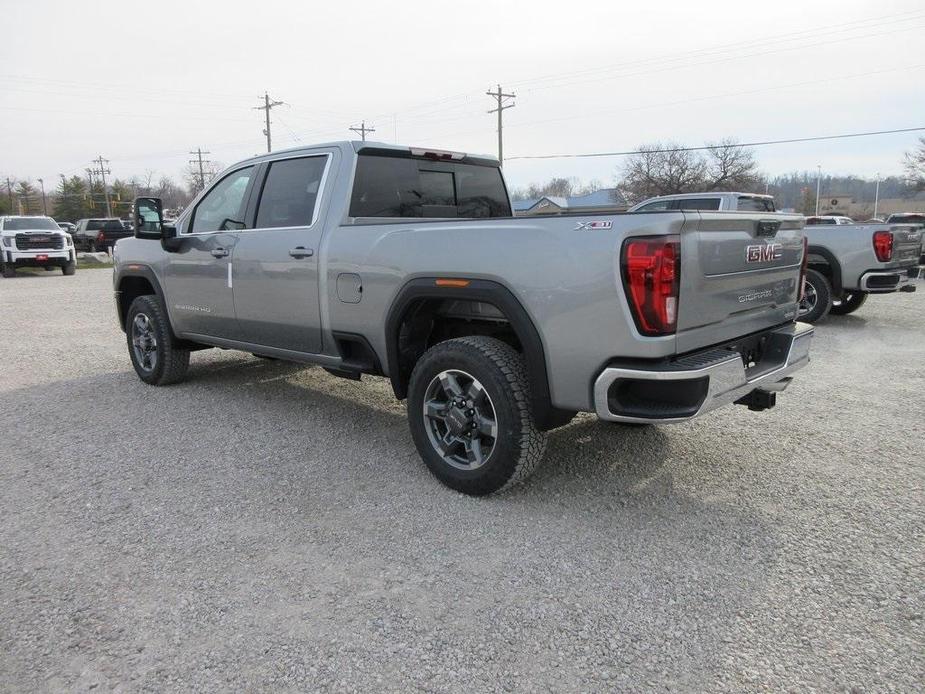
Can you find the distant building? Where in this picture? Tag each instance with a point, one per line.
(863, 209)
(601, 201)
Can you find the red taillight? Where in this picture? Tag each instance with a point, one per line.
(651, 268)
(803, 267)
(883, 245)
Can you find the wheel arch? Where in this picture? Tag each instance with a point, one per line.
(132, 282)
(830, 263)
(416, 293)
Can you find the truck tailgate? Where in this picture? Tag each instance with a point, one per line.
(907, 244)
(739, 275)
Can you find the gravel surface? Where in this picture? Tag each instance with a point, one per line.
(267, 526)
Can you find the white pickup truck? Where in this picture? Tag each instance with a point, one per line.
(35, 242)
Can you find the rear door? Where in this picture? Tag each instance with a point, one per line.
(275, 265)
(739, 274)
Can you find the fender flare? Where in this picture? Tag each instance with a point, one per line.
(487, 291)
(833, 264)
(134, 270)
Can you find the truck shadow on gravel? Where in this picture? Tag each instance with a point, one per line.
(299, 418)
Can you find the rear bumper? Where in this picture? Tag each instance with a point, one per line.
(885, 281)
(697, 383)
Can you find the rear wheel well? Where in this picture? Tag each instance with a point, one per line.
(130, 288)
(428, 321)
(422, 317)
(823, 262)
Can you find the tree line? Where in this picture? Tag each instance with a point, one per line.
(78, 197)
(668, 168)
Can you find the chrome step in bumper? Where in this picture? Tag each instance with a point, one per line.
(694, 384)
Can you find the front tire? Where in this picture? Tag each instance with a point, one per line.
(471, 417)
(69, 268)
(8, 270)
(817, 298)
(849, 303)
(156, 359)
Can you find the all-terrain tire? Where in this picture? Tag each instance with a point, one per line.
(519, 445)
(849, 303)
(817, 301)
(170, 363)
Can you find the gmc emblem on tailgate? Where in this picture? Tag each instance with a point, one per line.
(763, 253)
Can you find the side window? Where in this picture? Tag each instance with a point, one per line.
(696, 204)
(222, 208)
(654, 206)
(290, 193)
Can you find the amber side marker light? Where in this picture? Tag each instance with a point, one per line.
(452, 283)
(134, 267)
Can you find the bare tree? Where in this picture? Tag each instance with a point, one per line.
(662, 169)
(668, 169)
(914, 165)
(730, 167)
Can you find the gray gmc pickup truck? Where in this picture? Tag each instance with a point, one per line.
(407, 263)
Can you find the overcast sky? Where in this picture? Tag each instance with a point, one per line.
(144, 83)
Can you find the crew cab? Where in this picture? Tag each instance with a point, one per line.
(719, 202)
(34, 242)
(407, 263)
(100, 234)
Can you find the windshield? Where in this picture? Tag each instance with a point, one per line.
(30, 224)
(814, 221)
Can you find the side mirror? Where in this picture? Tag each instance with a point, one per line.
(149, 219)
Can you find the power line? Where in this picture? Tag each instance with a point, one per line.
(500, 98)
(761, 143)
(267, 105)
(200, 161)
(101, 172)
(362, 130)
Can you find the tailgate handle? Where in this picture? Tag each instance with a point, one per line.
(767, 228)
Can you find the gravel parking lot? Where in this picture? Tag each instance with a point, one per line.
(265, 525)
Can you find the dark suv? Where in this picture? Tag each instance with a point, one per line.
(99, 234)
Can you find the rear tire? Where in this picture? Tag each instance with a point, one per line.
(849, 303)
(471, 416)
(150, 343)
(817, 298)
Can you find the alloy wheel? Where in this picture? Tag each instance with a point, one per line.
(144, 342)
(460, 419)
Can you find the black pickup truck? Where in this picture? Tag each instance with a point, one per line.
(99, 234)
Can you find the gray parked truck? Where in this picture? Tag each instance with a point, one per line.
(849, 262)
(406, 263)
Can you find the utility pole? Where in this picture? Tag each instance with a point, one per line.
(877, 196)
(44, 203)
(199, 160)
(267, 105)
(818, 181)
(500, 97)
(362, 130)
(102, 171)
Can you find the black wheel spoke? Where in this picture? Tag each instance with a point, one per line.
(435, 409)
(450, 385)
(487, 427)
(474, 452)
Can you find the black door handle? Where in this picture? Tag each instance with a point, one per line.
(301, 252)
(219, 252)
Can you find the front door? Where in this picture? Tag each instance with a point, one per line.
(275, 265)
(198, 284)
